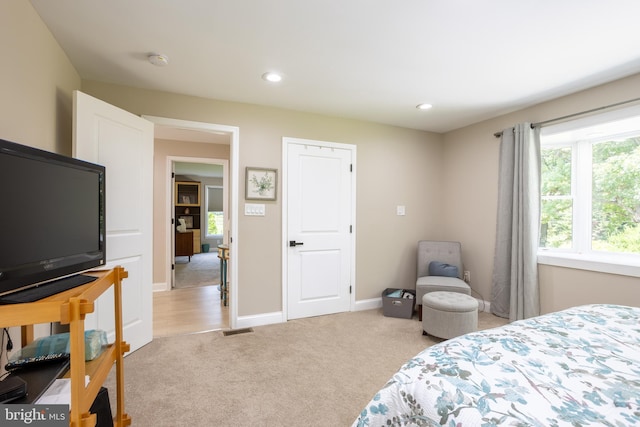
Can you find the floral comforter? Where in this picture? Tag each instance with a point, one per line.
(576, 367)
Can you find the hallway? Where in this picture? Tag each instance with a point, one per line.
(189, 310)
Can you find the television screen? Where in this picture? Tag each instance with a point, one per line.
(52, 216)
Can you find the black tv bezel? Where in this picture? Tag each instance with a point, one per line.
(25, 276)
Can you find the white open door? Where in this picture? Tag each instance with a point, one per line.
(123, 143)
(320, 223)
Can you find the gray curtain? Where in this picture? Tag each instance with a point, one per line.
(515, 293)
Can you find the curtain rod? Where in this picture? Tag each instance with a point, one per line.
(569, 116)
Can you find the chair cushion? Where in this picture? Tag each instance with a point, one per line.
(428, 284)
(439, 268)
(435, 283)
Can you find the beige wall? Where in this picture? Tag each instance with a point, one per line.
(470, 199)
(36, 85)
(162, 150)
(565, 287)
(395, 166)
(36, 81)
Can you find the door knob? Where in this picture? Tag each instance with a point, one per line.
(293, 243)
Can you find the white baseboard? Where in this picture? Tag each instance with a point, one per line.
(368, 304)
(159, 287)
(260, 319)
(484, 306)
(373, 303)
(264, 319)
(278, 316)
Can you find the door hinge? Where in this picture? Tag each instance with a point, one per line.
(172, 221)
(351, 229)
(173, 266)
(351, 167)
(173, 174)
(350, 289)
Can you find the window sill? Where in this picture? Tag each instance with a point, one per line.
(620, 264)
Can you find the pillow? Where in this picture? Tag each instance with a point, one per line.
(439, 268)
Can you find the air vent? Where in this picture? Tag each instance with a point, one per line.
(237, 331)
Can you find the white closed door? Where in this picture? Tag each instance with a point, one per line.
(123, 143)
(319, 239)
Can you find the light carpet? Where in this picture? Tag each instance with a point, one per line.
(318, 371)
(202, 270)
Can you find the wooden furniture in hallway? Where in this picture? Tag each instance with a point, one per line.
(188, 207)
(223, 254)
(184, 244)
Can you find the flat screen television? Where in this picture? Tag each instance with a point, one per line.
(52, 218)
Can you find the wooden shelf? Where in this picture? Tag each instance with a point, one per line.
(187, 206)
(187, 193)
(71, 307)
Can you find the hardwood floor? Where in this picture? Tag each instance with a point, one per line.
(189, 310)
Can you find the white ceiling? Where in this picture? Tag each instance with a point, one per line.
(372, 60)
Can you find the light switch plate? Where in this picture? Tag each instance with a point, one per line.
(254, 209)
(400, 210)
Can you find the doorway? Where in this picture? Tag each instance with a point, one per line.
(200, 132)
(194, 303)
(203, 218)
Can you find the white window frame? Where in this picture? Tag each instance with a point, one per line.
(577, 135)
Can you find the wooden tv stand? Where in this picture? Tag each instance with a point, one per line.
(70, 307)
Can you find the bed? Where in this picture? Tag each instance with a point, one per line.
(576, 367)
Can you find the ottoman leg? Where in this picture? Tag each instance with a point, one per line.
(420, 312)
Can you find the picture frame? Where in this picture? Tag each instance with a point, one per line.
(261, 183)
(188, 220)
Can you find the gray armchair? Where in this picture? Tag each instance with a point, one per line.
(444, 252)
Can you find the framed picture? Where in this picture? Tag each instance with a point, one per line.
(188, 220)
(260, 184)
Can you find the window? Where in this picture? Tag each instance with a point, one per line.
(215, 214)
(590, 187)
(215, 223)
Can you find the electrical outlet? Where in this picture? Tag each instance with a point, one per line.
(467, 276)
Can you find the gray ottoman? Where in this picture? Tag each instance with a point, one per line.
(449, 314)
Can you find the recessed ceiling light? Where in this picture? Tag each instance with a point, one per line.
(272, 77)
(158, 59)
(423, 106)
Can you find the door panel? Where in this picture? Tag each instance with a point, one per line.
(320, 275)
(123, 143)
(319, 213)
